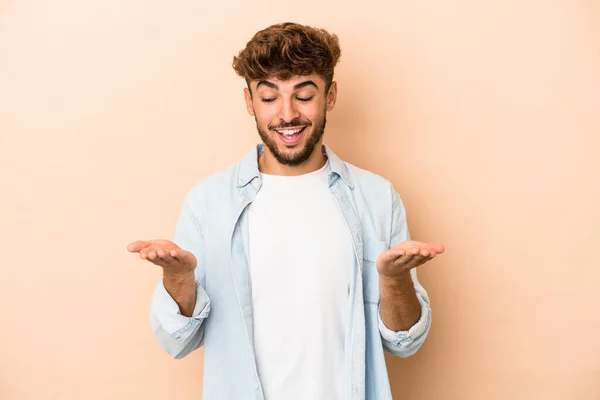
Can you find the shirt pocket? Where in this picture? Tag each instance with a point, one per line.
(372, 250)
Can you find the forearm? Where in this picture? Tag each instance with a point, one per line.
(399, 306)
(182, 289)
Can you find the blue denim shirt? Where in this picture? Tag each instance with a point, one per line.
(213, 225)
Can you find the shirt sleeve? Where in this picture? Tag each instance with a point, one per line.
(167, 314)
(405, 343)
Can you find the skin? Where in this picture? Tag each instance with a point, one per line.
(300, 101)
(178, 269)
(399, 307)
(297, 102)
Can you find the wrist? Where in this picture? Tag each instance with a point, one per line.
(397, 285)
(178, 278)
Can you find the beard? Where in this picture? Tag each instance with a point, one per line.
(295, 158)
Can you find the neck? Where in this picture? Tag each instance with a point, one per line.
(269, 165)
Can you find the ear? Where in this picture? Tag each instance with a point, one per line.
(248, 99)
(331, 96)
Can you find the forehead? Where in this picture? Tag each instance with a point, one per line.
(290, 84)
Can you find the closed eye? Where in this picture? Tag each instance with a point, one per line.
(305, 99)
(267, 100)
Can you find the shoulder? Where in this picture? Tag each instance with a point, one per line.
(215, 182)
(213, 192)
(373, 190)
(363, 179)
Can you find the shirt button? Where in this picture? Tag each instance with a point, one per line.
(256, 386)
(241, 199)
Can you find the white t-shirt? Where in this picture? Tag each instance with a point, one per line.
(301, 259)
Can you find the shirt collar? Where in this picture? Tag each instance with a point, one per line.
(248, 169)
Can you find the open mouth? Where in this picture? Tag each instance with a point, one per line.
(291, 136)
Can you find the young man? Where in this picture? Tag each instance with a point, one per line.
(293, 268)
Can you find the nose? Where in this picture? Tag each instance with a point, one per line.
(287, 111)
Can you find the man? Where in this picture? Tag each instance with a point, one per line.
(293, 268)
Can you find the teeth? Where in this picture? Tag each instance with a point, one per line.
(289, 132)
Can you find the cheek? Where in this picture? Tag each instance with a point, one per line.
(312, 112)
(265, 116)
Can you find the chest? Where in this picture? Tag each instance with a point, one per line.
(302, 238)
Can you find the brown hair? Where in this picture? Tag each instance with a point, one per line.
(288, 49)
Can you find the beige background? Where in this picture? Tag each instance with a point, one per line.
(484, 114)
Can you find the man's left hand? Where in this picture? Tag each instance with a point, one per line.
(398, 261)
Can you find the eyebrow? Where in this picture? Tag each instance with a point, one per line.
(296, 87)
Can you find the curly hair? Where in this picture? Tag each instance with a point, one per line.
(288, 49)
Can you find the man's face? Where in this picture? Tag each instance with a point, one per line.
(291, 115)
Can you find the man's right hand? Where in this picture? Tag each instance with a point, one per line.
(166, 254)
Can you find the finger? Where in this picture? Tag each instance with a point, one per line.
(438, 248)
(404, 251)
(412, 243)
(405, 256)
(177, 255)
(413, 250)
(182, 256)
(159, 250)
(167, 260)
(165, 255)
(161, 242)
(160, 262)
(136, 246)
(148, 253)
(416, 261)
(428, 253)
(144, 253)
(389, 255)
(402, 256)
(152, 254)
(421, 258)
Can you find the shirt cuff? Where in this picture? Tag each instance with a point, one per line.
(169, 316)
(405, 338)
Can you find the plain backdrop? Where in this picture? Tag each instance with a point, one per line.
(484, 115)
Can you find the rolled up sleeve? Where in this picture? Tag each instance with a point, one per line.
(167, 314)
(406, 343)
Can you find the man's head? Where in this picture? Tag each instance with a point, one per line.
(289, 72)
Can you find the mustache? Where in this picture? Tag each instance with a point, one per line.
(292, 124)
